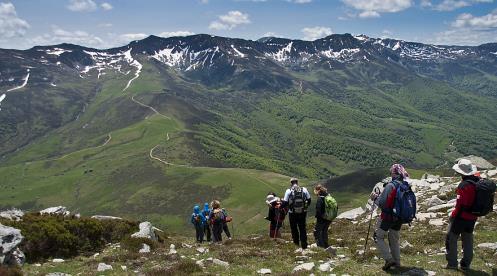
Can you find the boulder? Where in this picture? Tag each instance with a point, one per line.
(145, 248)
(490, 246)
(264, 271)
(331, 250)
(479, 162)
(172, 249)
(99, 217)
(304, 267)
(442, 207)
(434, 201)
(59, 210)
(146, 231)
(436, 222)
(405, 244)
(202, 250)
(492, 173)
(220, 263)
(352, 214)
(424, 216)
(12, 214)
(326, 267)
(58, 261)
(10, 238)
(104, 267)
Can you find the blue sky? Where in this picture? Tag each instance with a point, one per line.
(109, 23)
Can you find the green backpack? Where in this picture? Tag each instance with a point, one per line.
(330, 208)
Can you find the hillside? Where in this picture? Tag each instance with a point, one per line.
(254, 254)
(148, 129)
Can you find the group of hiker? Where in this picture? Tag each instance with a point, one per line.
(397, 201)
(211, 222)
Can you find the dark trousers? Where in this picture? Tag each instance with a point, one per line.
(321, 232)
(464, 229)
(207, 232)
(226, 230)
(199, 232)
(274, 229)
(299, 232)
(217, 231)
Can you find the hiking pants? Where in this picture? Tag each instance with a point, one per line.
(217, 231)
(274, 230)
(321, 232)
(207, 231)
(299, 232)
(390, 252)
(464, 228)
(226, 230)
(199, 232)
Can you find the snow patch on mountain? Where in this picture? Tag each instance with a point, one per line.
(283, 54)
(135, 63)
(26, 79)
(57, 51)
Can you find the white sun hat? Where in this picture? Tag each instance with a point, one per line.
(271, 198)
(465, 167)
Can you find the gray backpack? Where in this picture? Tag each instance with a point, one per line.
(298, 201)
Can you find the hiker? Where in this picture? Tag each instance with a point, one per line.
(474, 198)
(389, 223)
(217, 220)
(297, 199)
(207, 227)
(198, 220)
(227, 219)
(276, 215)
(326, 211)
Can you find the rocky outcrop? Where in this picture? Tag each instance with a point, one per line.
(479, 162)
(13, 214)
(146, 231)
(10, 238)
(59, 210)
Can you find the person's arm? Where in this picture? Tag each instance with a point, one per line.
(286, 198)
(193, 219)
(387, 197)
(308, 196)
(465, 199)
(319, 207)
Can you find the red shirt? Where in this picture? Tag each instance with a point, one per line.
(466, 193)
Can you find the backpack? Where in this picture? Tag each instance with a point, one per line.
(484, 197)
(218, 217)
(330, 208)
(404, 209)
(279, 212)
(198, 219)
(298, 201)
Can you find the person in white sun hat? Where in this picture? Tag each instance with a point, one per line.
(462, 222)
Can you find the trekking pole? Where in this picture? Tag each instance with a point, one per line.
(233, 230)
(276, 225)
(370, 220)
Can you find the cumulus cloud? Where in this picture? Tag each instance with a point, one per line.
(300, 1)
(106, 6)
(373, 8)
(313, 33)
(125, 38)
(176, 33)
(82, 5)
(230, 20)
(468, 29)
(450, 5)
(10, 24)
(59, 35)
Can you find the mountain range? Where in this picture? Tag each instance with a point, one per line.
(207, 116)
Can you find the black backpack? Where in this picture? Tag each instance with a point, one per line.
(298, 201)
(484, 197)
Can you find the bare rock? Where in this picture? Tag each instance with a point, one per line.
(12, 214)
(145, 248)
(479, 162)
(146, 231)
(264, 271)
(104, 267)
(59, 210)
(10, 238)
(304, 267)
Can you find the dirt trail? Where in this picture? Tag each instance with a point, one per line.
(151, 108)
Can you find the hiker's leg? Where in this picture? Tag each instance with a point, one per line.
(217, 231)
(393, 242)
(207, 230)
(272, 230)
(451, 246)
(294, 228)
(201, 233)
(467, 246)
(226, 230)
(303, 230)
(325, 234)
(318, 229)
(379, 238)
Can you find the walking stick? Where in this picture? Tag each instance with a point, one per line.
(276, 225)
(376, 191)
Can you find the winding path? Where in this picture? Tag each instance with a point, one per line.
(151, 108)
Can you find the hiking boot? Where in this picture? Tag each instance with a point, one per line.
(464, 268)
(388, 265)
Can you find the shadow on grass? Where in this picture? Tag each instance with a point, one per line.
(416, 271)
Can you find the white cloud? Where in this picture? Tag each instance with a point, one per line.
(59, 35)
(450, 5)
(313, 33)
(230, 20)
(468, 29)
(300, 1)
(126, 38)
(82, 5)
(106, 6)
(10, 24)
(176, 33)
(373, 8)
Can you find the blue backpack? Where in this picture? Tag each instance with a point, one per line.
(405, 202)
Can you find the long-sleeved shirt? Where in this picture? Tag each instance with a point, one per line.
(198, 219)
(320, 206)
(386, 201)
(466, 193)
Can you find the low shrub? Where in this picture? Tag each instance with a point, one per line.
(10, 271)
(183, 267)
(48, 236)
(135, 244)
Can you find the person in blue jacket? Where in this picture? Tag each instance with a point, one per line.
(198, 220)
(207, 227)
